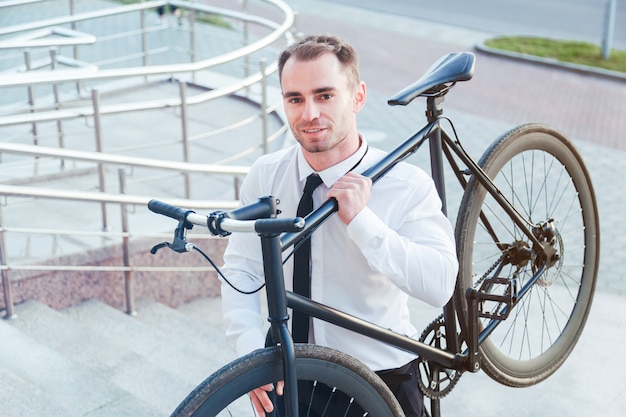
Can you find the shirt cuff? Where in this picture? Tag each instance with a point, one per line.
(366, 227)
(250, 341)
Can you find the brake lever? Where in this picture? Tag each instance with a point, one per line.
(160, 246)
(179, 244)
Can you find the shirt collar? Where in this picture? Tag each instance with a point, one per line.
(332, 174)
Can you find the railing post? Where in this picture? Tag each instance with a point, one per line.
(31, 96)
(246, 40)
(264, 121)
(192, 40)
(128, 274)
(57, 103)
(31, 103)
(144, 40)
(95, 99)
(237, 186)
(6, 283)
(183, 118)
(609, 25)
(79, 83)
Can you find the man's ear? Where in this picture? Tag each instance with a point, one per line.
(360, 97)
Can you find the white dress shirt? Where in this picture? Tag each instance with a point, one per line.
(401, 244)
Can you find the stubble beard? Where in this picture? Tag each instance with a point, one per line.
(332, 140)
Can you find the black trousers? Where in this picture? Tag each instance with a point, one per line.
(402, 382)
(320, 401)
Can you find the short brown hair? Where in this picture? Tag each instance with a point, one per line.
(312, 47)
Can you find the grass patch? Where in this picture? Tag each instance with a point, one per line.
(575, 52)
(213, 19)
(210, 19)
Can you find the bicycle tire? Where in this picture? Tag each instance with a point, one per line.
(225, 393)
(544, 177)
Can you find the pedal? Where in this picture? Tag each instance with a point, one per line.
(496, 297)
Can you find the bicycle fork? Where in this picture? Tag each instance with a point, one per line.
(278, 317)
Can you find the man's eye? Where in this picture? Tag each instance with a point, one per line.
(326, 96)
(294, 100)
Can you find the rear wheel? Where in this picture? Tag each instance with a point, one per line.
(542, 175)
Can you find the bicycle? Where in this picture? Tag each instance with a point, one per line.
(521, 299)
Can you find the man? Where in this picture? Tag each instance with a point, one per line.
(386, 242)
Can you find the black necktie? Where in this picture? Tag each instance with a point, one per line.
(301, 263)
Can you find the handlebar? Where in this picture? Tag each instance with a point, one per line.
(243, 219)
(168, 210)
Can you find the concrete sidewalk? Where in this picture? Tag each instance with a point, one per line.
(589, 109)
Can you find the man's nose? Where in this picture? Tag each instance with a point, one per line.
(311, 111)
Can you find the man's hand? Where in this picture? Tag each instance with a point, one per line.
(261, 401)
(352, 192)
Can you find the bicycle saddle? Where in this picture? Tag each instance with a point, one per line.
(440, 77)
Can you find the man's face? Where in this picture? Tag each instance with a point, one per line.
(320, 104)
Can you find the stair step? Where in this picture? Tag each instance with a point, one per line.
(77, 390)
(202, 336)
(93, 359)
(175, 356)
(21, 398)
(204, 310)
(105, 356)
(125, 406)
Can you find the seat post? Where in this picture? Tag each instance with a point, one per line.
(433, 111)
(433, 107)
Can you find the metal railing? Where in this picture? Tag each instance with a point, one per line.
(65, 106)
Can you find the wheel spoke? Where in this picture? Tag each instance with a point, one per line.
(543, 178)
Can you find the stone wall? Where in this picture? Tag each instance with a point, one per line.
(61, 289)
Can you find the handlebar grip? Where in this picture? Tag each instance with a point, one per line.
(168, 210)
(263, 208)
(291, 224)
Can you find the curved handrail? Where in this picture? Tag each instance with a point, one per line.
(58, 76)
(64, 114)
(132, 161)
(100, 197)
(92, 73)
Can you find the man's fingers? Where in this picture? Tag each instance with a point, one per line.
(352, 179)
(261, 401)
(352, 192)
(256, 403)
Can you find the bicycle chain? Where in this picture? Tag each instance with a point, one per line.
(446, 378)
(489, 271)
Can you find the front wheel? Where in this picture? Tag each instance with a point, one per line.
(354, 386)
(544, 178)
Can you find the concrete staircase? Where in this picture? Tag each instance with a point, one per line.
(94, 360)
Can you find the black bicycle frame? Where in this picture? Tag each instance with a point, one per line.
(440, 143)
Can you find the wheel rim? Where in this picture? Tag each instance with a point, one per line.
(542, 329)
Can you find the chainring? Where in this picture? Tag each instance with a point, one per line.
(434, 380)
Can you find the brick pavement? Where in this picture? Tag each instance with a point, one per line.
(589, 109)
(395, 51)
(503, 93)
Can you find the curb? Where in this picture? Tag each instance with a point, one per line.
(583, 69)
